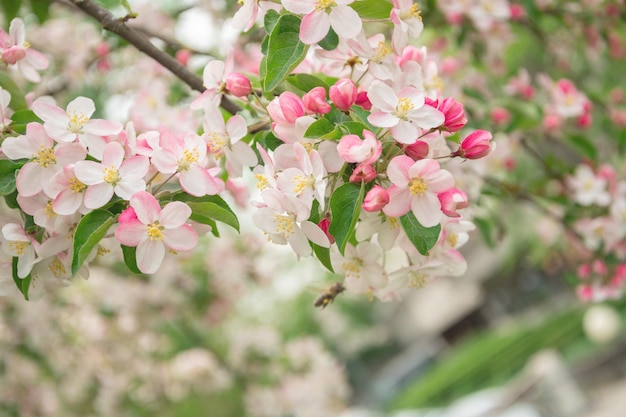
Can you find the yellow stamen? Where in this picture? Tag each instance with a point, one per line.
(190, 156)
(57, 268)
(18, 247)
(352, 268)
(302, 182)
(452, 239)
(75, 185)
(111, 175)
(77, 121)
(404, 106)
(45, 157)
(215, 142)
(261, 182)
(284, 225)
(413, 12)
(26, 44)
(323, 5)
(418, 186)
(49, 210)
(155, 231)
(102, 251)
(381, 51)
(416, 280)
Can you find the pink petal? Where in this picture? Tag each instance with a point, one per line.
(131, 233)
(49, 112)
(427, 117)
(405, 132)
(81, 105)
(315, 234)
(399, 202)
(98, 195)
(135, 167)
(299, 243)
(236, 128)
(345, 21)
(101, 127)
(427, 209)
(150, 254)
(382, 119)
(67, 202)
(194, 180)
(113, 154)
(69, 153)
(146, 207)
(174, 214)
(382, 96)
(125, 189)
(28, 179)
(314, 27)
(183, 238)
(398, 170)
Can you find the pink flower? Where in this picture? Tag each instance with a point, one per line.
(354, 150)
(214, 80)
(361, 267)
(363, 101)
(286, 108)
(155, 230)
(17, 51)
(246, 15)
(452, 111)
(321, 15)
(476, 145)
(315, 101)
(407, 22)
(404, 112)
(67, 192)
(416, 186)
(376, 199)
(363, 173)
(124, 177)
(17, 243)
(76, 123)
(451, 201)
(238, 84)
(343, 94)
(418, 150)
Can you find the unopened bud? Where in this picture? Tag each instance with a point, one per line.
(376, 199)
(238, 84)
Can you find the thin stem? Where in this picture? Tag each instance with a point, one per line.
(143, 44)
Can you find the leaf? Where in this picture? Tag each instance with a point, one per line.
(8, 174)
(41, 9)
(17, 98)
(361, 115)
(336, 116)
(372, 9)
(330, 41)
(583, 145)
(11, 8)
(24, 117)
(323, 255)
(268, 140)
(208, 208)
(486, 231)
(306, 82)
(353, 128)
(130, 258)
(284, 51)
(270, 19)
(345, 207)
(23, 284)
(90, 230)
(323, 129)
(423, 238)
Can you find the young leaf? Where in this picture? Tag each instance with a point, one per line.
(323, 255)
(345, 207)
(322, 129)
(90, 230)
(18, 102)
(8, 173)
(284, 51)
(330, 41)
(361, 115)
(306, 82)
(130, 258)
(353, 128)
(372, 9)
(423, 238)
(23, 284)
(208, 208)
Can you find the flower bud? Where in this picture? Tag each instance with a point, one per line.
(238, 84)
(315, 101)
(183, 56)
(500, 116)
(343, 94)
(286, 108)
(376, 199)
(13, 54)
(418, 150)
(476, 145)
(453, 112)
(363, 100)
(452, 200)
(324, 224)
(127, 215)
(363, 173)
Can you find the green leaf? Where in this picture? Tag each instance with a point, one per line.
(11, 8)
(41, 9)
(323, 255)
(89, 232)
(583, 145)
(423, 238)
(23, 284)
(372, 9)
(353, 128)
(361, 115)
(336, 116)
(11, 200)
(345, 207)
(8, 173)
(24, 117)
(306, 82)
(284, 51)
(486, 231)
(17, 97)
(208, 209)
(267, 139)
(330, 41)
(323, 129)
(270, 19)
(130, 258)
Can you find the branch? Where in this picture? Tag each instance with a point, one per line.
(139, 41)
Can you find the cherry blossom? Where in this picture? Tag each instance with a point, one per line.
(155, 229)
(360, 265)
(407, 22)
(321, 15)
(17, 243)
(17, 51)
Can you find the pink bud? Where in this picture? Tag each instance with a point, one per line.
(585, 293)
(476, 145)
(315, 101)
(238, 84)
(584, 271)
(452, 200)
(286, 108)
(324, 224)
(376, 199)
(599, 267)
(517, 12)
(500, 116)
(363, 173)
(183, 56)
(343, 94)
(418, 150)
(102, 49)
(127, 215)
(363, 100)
(552, 122)
(453, 112)
(354, 150)
(584, 120)
(411, 53)
(13, 54)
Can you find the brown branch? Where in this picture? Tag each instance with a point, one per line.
(142, 43)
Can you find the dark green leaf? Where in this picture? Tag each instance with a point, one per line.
(41, 9)
(8, 173)
(345, 207)
(306, 82)
(130, 258)
(353, 128)
(208, 209)
(11, 8)
(336, 116)
(323, 129)
(23, 284)
(423, 238)
(268, 140)
(361, 115)
(284, 51)
(89, 232)
(24, 116)
(330, 41)
(323, 254)
(270, 19)
(11, 200)
(372, 9)
(17, 98)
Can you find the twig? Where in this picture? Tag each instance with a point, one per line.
(139, 41)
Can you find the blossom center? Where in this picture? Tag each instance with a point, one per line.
(404, 106)
(215, 142)
(452, 239)
(284, 225)
(382, 50)
(75, 185)
(26, 45)
(18, 247)
(261, 181)
(302, 182)
(57, 268)
(418, 186)
(111, 175)
(190, 156)
(416, 280)
(323, 5)
(413, 12)
(155, 231)
(45, 157)
(49, 210)
(352, 268)
(77, 121)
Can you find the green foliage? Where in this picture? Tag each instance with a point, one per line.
(323, 129)
(10, 8)
(306, 82)
(23, 284)
(345, 207)
(372, 9)
(89, 232)
(330, 41)
(208, 209)
(323, 255)
(8, 174)
(423, 238)
(130, 258)
(17, 97)
(284, 51)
